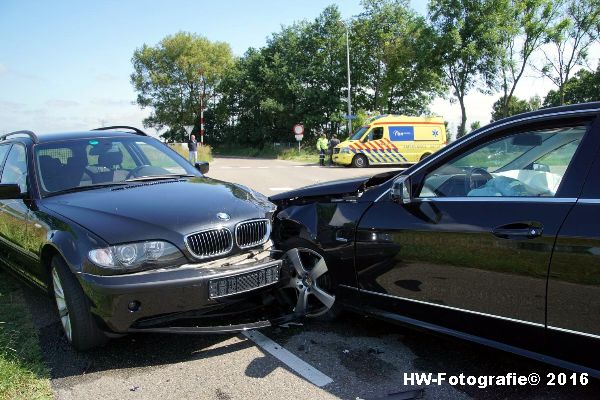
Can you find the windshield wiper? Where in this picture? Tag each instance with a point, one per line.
(155, 177)
(86, 187)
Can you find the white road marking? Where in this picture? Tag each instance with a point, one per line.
(299, 166)
(301, 367)
(282, 189)
(262, 167)
(226, 167)
(244, 167)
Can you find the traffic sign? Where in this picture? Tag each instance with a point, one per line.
(299, 137)
(298, 129)
(349, 116)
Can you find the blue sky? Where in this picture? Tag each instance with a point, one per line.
(65, 65)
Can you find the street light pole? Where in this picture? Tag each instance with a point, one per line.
(202, 88)
(349, 96)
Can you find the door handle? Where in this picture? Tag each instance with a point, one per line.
(519, 230)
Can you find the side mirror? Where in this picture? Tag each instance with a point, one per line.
(10, 191)
(401, 190)
(203, 167)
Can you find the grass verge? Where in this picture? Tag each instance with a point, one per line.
(205, 153)
(291, 154)
(23, 374)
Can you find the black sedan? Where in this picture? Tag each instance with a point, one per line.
(494, 239)
(128, 236)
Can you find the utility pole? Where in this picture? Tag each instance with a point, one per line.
(349, 96)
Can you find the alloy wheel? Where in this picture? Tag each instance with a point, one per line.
(61, 304)
(311, 280)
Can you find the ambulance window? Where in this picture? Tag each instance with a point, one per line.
(359, 133)
(375, 134)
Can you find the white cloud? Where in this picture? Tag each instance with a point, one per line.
(59, 103)
(112, 102)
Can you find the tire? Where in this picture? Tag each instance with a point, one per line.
(334, 311)
(73, 308)
(424, 156)
(360, 161)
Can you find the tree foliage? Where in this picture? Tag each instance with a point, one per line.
(569, 39)
(527, 28)
(469, 39)
(400, 61)
(167, 79)
(581, 88)
(515, 106)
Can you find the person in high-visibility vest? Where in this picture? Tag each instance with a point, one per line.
(322, 146)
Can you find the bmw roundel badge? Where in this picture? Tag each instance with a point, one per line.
(223, 216)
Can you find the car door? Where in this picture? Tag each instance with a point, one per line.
(574, 281)
(14, 212)
(471, 250)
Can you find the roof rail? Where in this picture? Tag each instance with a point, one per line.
(136, 130)
(32, 135)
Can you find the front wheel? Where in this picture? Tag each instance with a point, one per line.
(73, 307)
(312, 282)
(424, 156)
(360, 161)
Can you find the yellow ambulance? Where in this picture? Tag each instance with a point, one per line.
(392, 139)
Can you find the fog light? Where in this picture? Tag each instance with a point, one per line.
(134, 306)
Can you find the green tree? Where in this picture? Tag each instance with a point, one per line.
(526, 30)
(166, 78)
(569, 40)
(469, 43)
(581, 88)
(392, 63)
(515, 106)
(475, 125)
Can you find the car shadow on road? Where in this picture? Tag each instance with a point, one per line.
(379, 348)
(130, 351)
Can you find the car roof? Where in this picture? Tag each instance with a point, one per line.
(105, 132)
(59, 136)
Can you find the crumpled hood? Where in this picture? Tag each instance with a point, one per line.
(159, 210)
(339, 187)
(324, 189)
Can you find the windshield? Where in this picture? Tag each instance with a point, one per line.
(85, 163)
(359, 133)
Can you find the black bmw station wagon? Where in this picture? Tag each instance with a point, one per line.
(128, 236)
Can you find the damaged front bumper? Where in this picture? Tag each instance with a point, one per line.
(223, 292)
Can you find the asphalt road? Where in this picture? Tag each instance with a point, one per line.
(364, 358)
(275, 176)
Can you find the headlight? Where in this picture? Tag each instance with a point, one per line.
(135, 256)
(344, 150)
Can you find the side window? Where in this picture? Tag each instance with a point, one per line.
(521, 165)
(375, 134)
(15, 168)
(3, 152)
